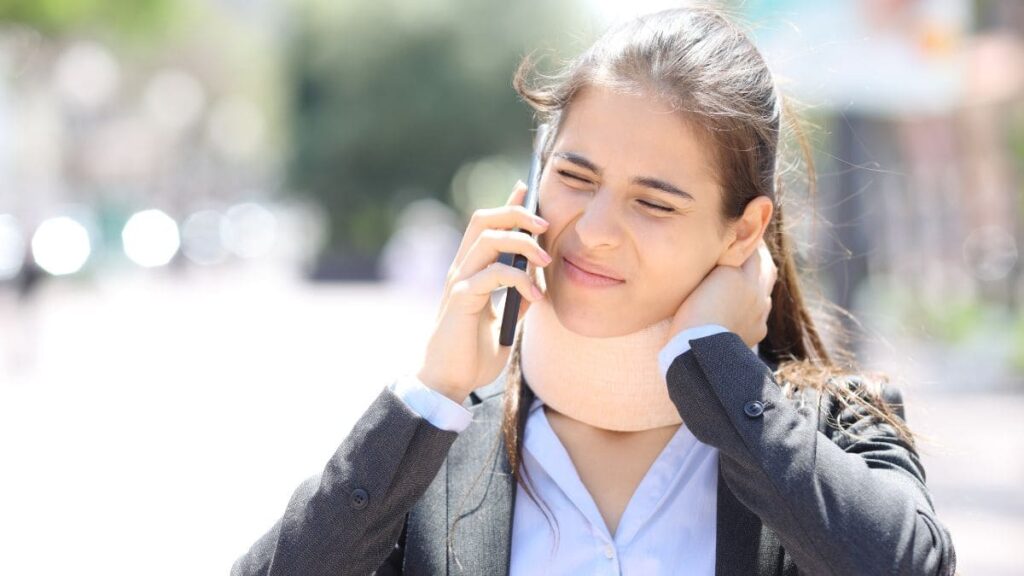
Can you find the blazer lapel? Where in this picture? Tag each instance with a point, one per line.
(481, 493)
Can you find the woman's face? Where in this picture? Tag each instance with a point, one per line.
(629, 192)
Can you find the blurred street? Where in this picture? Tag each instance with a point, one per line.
(218, 392)
(975, 474)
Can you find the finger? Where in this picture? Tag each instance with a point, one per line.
(502, 218)
(509, 222)
(537, 273)
(474, 292)
(769, 272)
(752, 266)
(758, 266)
(537, 278)
(492, 243)
(518, 194)
(524, 304)
(481, 217)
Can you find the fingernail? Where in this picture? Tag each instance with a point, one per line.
(537, 294)
(540, 221)
(520, 184)
(545, 257)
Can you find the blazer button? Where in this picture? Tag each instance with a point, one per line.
(754, 408)
(359, 498)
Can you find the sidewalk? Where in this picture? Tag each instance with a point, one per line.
(975, 467)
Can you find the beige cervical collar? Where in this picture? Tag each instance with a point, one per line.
(611, 383)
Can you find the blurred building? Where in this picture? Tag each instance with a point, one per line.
(917, 112)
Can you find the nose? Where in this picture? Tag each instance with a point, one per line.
(598, 225)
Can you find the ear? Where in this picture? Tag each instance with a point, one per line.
(745, 234)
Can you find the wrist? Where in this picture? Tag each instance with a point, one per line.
(698, 329)
(452, 394)
(680, 326)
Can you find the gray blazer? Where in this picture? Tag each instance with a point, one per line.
(795, 496)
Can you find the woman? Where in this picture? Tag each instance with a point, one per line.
(668, 406)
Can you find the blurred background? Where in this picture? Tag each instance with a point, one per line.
(225, 224)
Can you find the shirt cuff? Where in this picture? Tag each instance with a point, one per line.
(441, 411)
(680, 344)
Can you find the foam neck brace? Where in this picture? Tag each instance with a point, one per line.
(611, 383)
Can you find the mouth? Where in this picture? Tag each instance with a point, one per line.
(583, 277)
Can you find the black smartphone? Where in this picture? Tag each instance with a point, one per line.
(512, 296)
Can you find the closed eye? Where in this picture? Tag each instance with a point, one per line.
(657, 206)
(651, 205)
(574, 176)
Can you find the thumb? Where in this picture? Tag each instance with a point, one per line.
(537, 275)
(524, 305)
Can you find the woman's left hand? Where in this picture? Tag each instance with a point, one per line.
(737, 298)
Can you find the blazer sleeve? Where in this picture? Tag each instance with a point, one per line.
(849, 507)
(349, 518)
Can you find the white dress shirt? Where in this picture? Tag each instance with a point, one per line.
(668, 526)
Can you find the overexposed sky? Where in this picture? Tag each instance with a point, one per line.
(610, 10)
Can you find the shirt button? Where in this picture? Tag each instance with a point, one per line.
(359, 499)
(609, 552)
(754, 408)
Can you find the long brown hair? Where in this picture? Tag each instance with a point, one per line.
(701, 63)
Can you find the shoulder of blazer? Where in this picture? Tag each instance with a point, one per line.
(835, 415)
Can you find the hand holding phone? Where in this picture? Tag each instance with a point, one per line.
(462, 354)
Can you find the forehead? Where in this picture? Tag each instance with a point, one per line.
(639, 134)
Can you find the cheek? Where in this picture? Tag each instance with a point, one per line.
(556, 207)
(671, 285)
(552, 195)
(678, 261)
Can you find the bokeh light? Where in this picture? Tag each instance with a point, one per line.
(150, 238)
(990, 253)
(174, 99)
(61, 246)
(201, 239)
(87, 76)
(249, 230)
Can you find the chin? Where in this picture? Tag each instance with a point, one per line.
(592, 322)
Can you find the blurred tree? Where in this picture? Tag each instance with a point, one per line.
(390, 98)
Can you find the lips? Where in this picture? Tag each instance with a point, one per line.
(591, 268)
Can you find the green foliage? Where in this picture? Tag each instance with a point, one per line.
(124, 17)
(954, 321)
(390, 99)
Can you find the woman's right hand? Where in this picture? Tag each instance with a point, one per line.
(463, 353)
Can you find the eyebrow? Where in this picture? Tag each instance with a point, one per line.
(647, 181)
